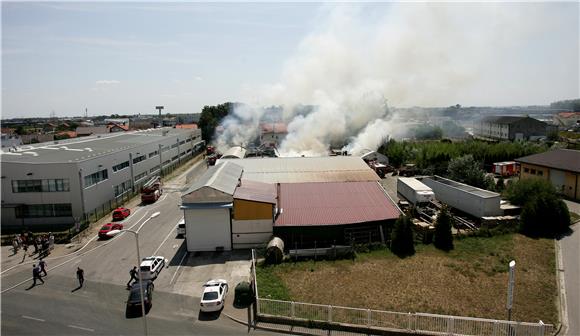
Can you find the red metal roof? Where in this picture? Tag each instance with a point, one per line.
(333, 203)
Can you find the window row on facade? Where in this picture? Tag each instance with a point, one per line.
(44, 210)
(46, 185)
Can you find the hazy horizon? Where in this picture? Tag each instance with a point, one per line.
(126, 58)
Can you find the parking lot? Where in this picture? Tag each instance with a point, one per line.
(199, 267)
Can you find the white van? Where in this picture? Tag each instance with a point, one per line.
(181, 228)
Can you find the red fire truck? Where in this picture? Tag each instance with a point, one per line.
(151, 190)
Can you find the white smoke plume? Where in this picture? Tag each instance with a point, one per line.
(411, 54)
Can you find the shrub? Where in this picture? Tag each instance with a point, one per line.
(443, 239)
(402, 243)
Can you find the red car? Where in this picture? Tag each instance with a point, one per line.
(121, 213)
(108, 228)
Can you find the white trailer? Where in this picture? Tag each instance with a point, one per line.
(414, 190)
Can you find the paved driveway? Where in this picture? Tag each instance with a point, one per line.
(199, 267)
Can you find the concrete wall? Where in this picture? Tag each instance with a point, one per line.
(208, 229)
(251, 233)
(470, 203)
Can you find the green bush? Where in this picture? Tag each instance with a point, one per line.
(402, 243)
(443, 239)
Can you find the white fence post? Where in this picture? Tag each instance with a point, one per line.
(409, 321)
(368, 317)
(450, 326)
(495, 328)
(542, 328)
(329, 313)
(292, 309)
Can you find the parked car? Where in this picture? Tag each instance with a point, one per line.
(151, 267)
(121, 213)
(104, 231)
(135, 294)
(214, 295)
(181, 228)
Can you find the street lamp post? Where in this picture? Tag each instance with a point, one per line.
(510, 294)
(114, 232)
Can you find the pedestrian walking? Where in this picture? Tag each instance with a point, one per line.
(36, 275)
(35, 244)
(42, 265)
(133, 274)
(25, 247)
(80, 276)
(15, 245)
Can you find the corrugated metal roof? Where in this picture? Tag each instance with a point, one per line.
(334, 203)
(235, 152)
(217, 185)
(564, 159)
(306, 169)
(256, 191)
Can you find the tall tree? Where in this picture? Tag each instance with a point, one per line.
(465, 169)
(210, 118)
(402, 243)
(443, 239)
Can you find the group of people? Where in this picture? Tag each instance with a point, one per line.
(41, 243)
(38, 270)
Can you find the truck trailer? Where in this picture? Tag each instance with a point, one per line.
(414, 190)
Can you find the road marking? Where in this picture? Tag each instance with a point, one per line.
(81, 328)
(178, 266)
(33, 318)
(164, 240)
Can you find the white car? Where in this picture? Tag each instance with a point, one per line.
(214, 295)
(151, 266)
(181, 228)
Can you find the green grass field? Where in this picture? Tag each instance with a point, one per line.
(471, 280)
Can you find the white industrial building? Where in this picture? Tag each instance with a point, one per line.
(62, 182)
(471, 200)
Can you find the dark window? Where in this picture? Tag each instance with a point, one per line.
(139, 159)
(19, 186)
(44, 210)
(533, 172)
(540, 172)
(95, 178)
(152, 154)
(526, 170)
(120, 166)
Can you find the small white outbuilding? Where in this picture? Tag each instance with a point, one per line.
(207, 207)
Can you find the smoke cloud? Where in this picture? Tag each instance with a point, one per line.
(405, 54)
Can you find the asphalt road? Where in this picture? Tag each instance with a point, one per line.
(59, 307)
(570, 246)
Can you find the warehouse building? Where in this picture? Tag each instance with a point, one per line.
(560, 166)
(471, 200)
(241, 203)
(306, 169)
(56, 184)
(325, 214)
(510, 128)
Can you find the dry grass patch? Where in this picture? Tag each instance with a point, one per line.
(469, 281)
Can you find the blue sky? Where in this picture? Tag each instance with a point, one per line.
(126, 58)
